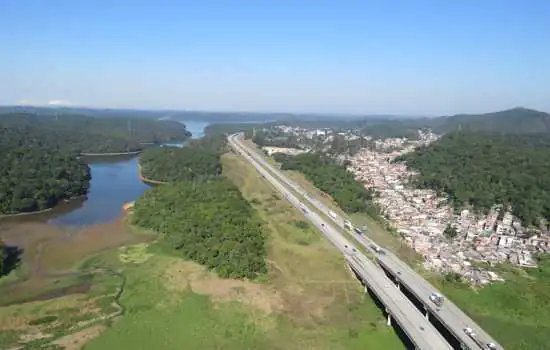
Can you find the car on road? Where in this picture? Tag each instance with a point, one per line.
(470, 332)
(346, 246)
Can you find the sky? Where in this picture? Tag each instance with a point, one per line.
(408, 57)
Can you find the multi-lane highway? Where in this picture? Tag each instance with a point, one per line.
(454, 319)
(419, 330)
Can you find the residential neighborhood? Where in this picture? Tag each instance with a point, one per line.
(420, 217)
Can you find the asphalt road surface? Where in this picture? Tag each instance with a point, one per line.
(414, 324)
(449, 314)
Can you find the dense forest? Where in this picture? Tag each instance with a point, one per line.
(97, 135)
(486, 169)
(36, 173)
(199, 160)
(39, 165)
(330, 178)
(200, 213)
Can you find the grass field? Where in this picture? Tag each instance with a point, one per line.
(52, 294)
(308, 300)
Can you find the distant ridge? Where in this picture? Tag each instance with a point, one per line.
(516, 120)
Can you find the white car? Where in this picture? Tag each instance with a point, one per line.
(470, 332)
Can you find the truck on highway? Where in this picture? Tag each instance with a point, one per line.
(332, 214)
(437, 299)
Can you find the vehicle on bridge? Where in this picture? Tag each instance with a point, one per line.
(438, 300)
(332, 214)
(377, 249)
(472, 334)
(347, 225)
(303, 207)
(358, 231)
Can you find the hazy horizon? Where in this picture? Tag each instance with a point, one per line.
(399, 58)
(310, 114)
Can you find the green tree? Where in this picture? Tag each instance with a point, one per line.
(450, 232)
(484, 169)
(208, 222)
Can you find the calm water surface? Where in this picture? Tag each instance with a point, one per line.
(114, 182)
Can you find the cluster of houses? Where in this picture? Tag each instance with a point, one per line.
(421, 218)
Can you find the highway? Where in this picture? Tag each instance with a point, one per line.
(419, 330)
(454, 319)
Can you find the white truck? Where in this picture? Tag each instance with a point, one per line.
(437, 299)
(332, 214)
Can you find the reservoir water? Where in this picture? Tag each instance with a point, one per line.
(114, 182)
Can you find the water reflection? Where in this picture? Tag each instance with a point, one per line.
(114, 182)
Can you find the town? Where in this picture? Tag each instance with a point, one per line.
(420, 217)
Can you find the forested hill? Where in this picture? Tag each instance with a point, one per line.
(99, 135)
(39, 164)
(485, 169)
(37, 171)
(516, 121)
(512, 121)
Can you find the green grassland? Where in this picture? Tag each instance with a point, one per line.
(308, 300)
(140, 295)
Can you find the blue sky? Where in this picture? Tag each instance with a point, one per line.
(413, 57)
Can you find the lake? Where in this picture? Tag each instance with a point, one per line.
(114, 182)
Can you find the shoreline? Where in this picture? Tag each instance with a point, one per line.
(29, 213)
(146, 180)
(110, 154)
(5, 216)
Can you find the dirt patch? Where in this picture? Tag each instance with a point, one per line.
(182, 276)
(77, 340)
